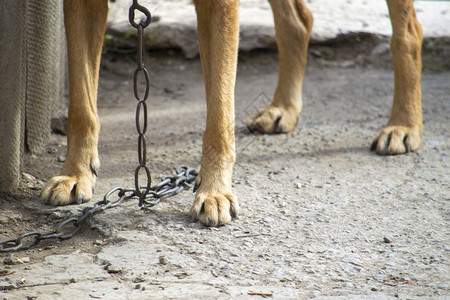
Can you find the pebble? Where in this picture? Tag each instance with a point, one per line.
(268, 220)
(28, 177)
(139, 279)
(61, 159)
(442, 286)
(25, 259)
(350, 259)
(113, 269)
(10, 260)
(163, 260)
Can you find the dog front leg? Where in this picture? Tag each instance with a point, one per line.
(85, 23)
(293, 25)
(402, 133)
(218, 35)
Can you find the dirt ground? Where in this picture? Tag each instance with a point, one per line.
(321, 216)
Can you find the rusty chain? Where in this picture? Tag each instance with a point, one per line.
(148, 196)
(66, 229)
(141, 108)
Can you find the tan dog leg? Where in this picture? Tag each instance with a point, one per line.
(402, 133)
(85, 22)
(293, 25)
(218, 34)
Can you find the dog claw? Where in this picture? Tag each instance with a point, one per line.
(196, 186)
(94, 170)
(80, 199)
(212, 223)
(194, 217)
(373, 147)
(278, 127)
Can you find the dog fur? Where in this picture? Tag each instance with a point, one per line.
(218, 34)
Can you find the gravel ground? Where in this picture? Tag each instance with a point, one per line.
(321, 215)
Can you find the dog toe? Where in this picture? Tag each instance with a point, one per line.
(63, 190)
(214, 210)
(396, 140)
(272, 120)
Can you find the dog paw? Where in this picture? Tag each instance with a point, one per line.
(214, 204)
(396, 140)
(272, 120)
(214, 209)
(67, 189)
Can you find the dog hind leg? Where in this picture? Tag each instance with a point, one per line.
(402, 133)
(218, 34)
(85, 23)
(293, 25)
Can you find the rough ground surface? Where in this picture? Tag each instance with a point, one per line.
(321, 215)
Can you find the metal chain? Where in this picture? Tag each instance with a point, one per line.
(148, 196)
(141, 109)
(66, 229)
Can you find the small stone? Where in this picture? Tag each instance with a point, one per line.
(373, 289)
(350, 259)
(20, 282)
(29, 177)
(61, 159)
(386, 240)
(182, 275)
(168, 90)
(25, 259)
(10, 260)
(139, 279)
(163, 260)
(442, 286)
(113, 269)
(268, 220)
(31, 297)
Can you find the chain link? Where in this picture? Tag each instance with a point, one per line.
(141, 108)
(148, 196)
(170, 185)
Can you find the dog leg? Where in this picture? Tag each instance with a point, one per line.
(218, 35)
(402, 133)
(293, 25)
(85, 22)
